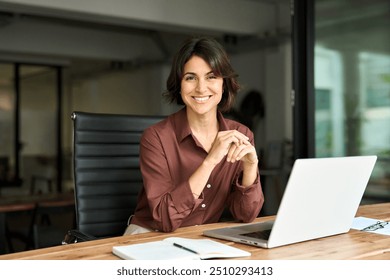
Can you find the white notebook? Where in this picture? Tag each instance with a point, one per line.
(174, 248)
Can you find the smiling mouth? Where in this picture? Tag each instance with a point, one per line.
(202, 99)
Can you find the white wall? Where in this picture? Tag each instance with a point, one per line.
(269, 71)
(278, 85)
(135, 92)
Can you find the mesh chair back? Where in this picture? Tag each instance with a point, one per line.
(106, 170)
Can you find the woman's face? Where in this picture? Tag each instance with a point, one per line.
(201, 90)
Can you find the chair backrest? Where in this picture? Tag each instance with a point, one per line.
(106, 170)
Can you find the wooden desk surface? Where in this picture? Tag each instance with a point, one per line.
(352, 245)
(9, 201)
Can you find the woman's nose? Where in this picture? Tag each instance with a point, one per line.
(201, 85)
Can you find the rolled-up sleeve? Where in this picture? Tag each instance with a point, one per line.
(245, 203)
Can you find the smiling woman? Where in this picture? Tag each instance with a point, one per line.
(201, 89)
(218, 62)
(196, 163)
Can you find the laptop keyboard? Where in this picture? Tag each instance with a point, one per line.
(261, 234)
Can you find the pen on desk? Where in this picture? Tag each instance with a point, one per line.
(182, 247)
(376, 226)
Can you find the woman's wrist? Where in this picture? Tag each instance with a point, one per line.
(251, 164)
(207, 163)
(249, 173)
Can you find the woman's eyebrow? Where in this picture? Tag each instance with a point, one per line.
(189, 73)
(193, 73)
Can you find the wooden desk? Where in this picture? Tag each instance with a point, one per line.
(5, 201)
(352, 245)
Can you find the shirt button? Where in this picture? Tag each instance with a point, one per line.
(203, 205)
(208, 186)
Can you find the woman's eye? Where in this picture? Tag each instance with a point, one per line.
(189, 78)
(211, 77)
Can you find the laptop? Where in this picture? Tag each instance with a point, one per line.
(321, 199)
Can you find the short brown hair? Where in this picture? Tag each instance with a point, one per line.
(214, 54)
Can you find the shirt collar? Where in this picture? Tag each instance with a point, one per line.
(181, 124)
(183, 128)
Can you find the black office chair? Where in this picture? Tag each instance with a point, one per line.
(106, 172)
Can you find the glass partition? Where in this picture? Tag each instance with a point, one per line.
(38, 127)
(28, 127)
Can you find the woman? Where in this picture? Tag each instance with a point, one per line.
(195, 162)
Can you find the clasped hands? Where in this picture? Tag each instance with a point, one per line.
(235, 146)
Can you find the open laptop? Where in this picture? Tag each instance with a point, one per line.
(321, 199)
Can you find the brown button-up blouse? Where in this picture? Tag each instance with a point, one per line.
(169, 155)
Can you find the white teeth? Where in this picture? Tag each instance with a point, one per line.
(202, 99)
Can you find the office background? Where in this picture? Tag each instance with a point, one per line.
(114, 56)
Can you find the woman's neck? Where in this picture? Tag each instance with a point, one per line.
(204, 128)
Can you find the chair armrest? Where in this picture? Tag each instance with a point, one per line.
(75, 236)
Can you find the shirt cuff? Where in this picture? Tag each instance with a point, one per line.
(242, 188)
